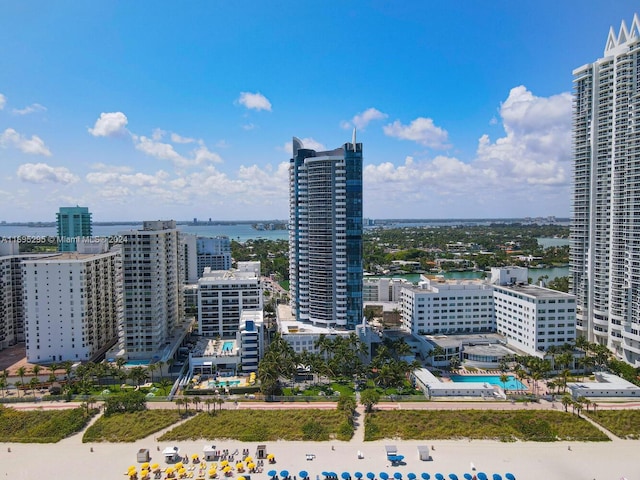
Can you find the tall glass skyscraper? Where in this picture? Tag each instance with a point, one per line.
(73, 222)
(325, 235)
(605, 231)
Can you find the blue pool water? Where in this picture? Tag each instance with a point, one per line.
(224, 383)
(511, 384)
(136, 363)
(227, 346)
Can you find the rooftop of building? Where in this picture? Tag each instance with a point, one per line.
(534, 291)
(471, 340)
(68, 257)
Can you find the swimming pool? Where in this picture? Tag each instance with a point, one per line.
(227, 346)
(223, 383)
(511, 384)
(136, 363)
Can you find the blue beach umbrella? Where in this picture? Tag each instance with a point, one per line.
(358, 475)
(272, 473)
(439, 476)
(509, 476)
(384, 475)
(284, 473)
(325, 474)
(371, 475)
(496, 476)
(397, 475)
(482, 476)
(453, 476)
(411, 476)
(468, 476)
(425, 476)
(303, 474)
(346, 475)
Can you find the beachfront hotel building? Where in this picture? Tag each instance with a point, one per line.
(531, 318)
(605, 231)
(223, 296)
(437, 306)
(71, 306)
(325, 235)
(152, 264)
(72, 223)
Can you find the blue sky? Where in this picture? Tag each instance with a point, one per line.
(144, 110)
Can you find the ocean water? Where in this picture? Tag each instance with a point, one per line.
(240, 232)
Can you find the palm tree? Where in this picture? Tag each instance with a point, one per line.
(152, 368)
(369, 398)
(566, 401)
(208, 403)
(196, 401)
(21, 371)
(52, 368)
(220, 402)
(33, 383)
(504, 378)
(178, 402)
(164, 385)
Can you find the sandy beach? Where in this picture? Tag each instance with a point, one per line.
(71, 459)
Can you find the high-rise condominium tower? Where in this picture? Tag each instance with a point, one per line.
(325, 236)
(152, 264)
(73, 222)
(605, 232)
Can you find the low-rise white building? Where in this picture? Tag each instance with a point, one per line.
(70, 306)
(382, 289)
(533, 318)
(606, 385)
(438, 306)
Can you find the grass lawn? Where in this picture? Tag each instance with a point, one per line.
(328, 389)
(40, 426)
(129, 427)
(622, 423)
(506, 426)
(263, 425)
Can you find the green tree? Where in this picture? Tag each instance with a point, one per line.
(21, 371)
(369, 398)
(128, 401)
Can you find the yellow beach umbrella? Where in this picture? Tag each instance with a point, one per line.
(145, 466)
(239, 465)
(170, 470)
(251, 465)
(248, 459)
(214, 466)
(182, 470)
(132, 467)
(224, 463)
(270, 456)
(194, 456)
(179, 465)
(227, 469)
(144, 472)
(241, 478)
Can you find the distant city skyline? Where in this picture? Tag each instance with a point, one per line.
(465, 108)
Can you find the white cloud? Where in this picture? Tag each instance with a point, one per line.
(202, 155)
(109, 125)
(3, 101)
(361, 120)
(254, 101)
(34, 145)
(248, 126)
(525, 172)
(34, 107)
(175, 138)
(163, 151)
(44, 173)
(421, 130)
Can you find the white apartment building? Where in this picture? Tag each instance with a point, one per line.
(152, 264)
(223, 295)
(11, 293)
(437, 306)
(534, 318)
(213, 252)
(605, 230)
(383, 289)
(70, 306)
